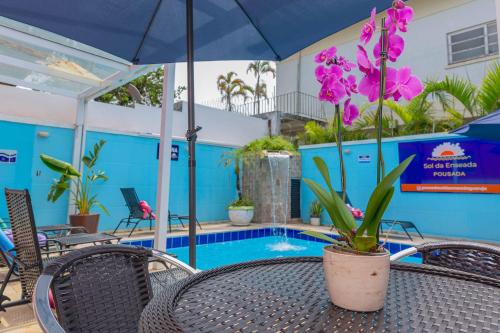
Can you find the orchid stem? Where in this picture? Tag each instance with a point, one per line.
(383, 59)
(341, 156)
(383, 69)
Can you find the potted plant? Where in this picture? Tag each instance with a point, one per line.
(315, 211)
(356, 265)
(82, 195)
(241, 212)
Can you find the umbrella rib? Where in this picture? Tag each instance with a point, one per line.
(258, 30)
(135, 60)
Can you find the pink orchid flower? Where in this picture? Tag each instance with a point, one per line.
(345, 64)
(370, 84)
(405, 85)
(351, 112)
(395, 46)
(332, 91)
(325, 55)
(398, 4)
(399, 18)
(364, 63)
(369, 28)
(333, 72)
(351, 87)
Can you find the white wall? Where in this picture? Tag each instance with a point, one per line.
(425, 49)
(219, 127)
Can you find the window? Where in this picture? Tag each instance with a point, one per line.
(471, 43)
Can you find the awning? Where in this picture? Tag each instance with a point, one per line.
(39, 60)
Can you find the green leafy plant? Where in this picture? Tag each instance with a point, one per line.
(243, 202)
(268, 143)
(82, 194)
(364, 238)
(477, 101)
(316, 209)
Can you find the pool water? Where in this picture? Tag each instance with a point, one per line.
(232, 252)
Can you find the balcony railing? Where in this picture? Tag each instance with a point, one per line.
(294, 103)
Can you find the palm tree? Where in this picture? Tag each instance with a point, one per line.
(258, 69)
(231, 87)
(477, 101)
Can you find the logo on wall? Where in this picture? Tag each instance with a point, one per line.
(364, 158)
(448, 151)
(174, 154)
(8, 156)
(455, 165)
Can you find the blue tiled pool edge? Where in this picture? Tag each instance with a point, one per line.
(227, 236)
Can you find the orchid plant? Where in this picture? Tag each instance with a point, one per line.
(337, 86)
(379, 82)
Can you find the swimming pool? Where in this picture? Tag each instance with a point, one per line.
(231, 252)
(230, 247)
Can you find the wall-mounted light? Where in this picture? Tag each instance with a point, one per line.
(347, 151)
(43, 134)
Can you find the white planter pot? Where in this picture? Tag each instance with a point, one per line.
(356, 282)
(315, 221)
(241, 216)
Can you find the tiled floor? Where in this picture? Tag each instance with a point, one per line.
(20, 319)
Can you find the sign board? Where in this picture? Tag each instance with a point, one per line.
(174, 154)
(366, 158)
(8, 156)
(460, 165)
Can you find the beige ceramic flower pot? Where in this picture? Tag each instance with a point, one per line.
(315, 221)
(356, 282)
(241, 216)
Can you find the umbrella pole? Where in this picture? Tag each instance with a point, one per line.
(191, 135)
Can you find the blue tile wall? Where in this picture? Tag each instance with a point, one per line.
(129, 161)
(462, 215)
(29, 172)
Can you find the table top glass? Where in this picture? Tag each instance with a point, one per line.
(83, 238)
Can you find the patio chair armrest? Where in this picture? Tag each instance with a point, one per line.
(41, 306)
(405, 253)
(426, 247)
(165, 258)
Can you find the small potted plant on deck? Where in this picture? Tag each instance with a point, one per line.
(241, 212)
(315, 212)
(356, 265)
(80, 186)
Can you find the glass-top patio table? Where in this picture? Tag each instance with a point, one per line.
(84, 238)
(289, 295)
(61, 229)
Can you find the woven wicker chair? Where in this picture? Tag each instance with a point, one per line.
(28, 255)
(481, 259)
(102, 288)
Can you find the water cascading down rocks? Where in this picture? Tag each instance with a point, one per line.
(267, 180)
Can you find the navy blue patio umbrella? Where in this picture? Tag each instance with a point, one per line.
(169, 31)
(487, 127)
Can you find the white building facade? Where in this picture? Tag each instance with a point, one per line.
(446, 38)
